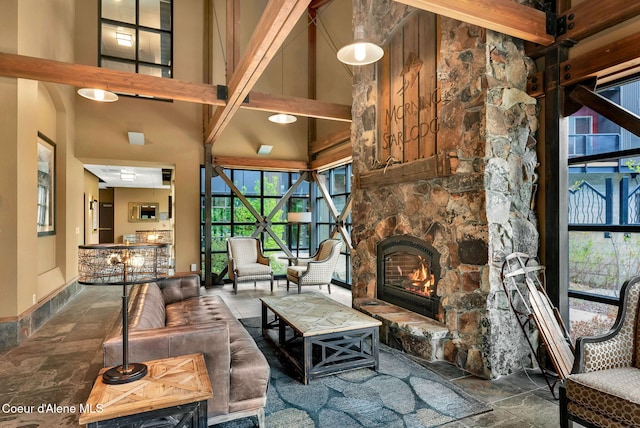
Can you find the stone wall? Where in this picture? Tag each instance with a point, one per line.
(473, 217)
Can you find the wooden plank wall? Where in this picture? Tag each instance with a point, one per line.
(407, 92)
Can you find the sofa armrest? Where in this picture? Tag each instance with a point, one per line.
(211, 339)
(179, 287)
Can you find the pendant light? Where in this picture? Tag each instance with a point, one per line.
(98, 95)
(282, 118)
(361, 51)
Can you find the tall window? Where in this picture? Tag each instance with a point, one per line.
(137, 36)
(338, 182)
(261, 190)
(604, 212)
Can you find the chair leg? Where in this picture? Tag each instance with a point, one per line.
(235, 285)
(299, 288)
(261, 421)
(272, 282)
(329, 287)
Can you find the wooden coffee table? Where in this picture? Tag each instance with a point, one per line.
(319, 335)
(176, 388)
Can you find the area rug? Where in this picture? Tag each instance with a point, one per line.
(402, 393)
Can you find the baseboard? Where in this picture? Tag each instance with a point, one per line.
(14, 332)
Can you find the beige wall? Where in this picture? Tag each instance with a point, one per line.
(122, 197)
(34, 267)
(173, 130)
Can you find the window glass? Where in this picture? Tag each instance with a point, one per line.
(119, 10)
(155, 14)
(118, 41)
(248, 182)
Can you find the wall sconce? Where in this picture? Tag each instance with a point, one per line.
(361, 51)
(93, 204)
(98, 95)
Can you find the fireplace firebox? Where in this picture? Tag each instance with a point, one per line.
(408, 272)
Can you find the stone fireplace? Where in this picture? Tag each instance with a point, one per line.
(468, 203)
(408, 273)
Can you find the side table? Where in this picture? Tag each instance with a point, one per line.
(174, 392)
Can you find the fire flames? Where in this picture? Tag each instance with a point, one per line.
(422, 280)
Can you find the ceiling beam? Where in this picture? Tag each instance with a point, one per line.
(46, 70)
(591, 17)
(503, 16)
(607, 60)
(263, 164)
(607, 108)
(276, 22)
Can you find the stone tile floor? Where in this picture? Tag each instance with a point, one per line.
(51, 373)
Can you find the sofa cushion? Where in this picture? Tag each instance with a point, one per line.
(197, 310)
(296, 271)
(147, 309)
(614, 393)
(179, 287)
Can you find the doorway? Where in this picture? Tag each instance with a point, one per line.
(106, 223)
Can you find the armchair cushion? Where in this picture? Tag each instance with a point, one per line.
(251, 269)
(612, 393)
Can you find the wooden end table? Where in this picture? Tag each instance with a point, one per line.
(175, 390)
(335, 337)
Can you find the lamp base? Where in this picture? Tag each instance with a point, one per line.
(117, 375)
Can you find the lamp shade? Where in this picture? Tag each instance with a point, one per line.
(299, 217)
(361, 51)
(105, 263)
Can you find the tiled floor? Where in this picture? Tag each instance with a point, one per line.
(58, 364)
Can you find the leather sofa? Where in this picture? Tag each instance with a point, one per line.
(170, 318)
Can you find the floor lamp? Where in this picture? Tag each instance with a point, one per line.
(122, 264)
(299, 218)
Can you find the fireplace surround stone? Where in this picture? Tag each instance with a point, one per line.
(474, 216)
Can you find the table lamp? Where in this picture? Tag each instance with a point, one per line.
(122, 264)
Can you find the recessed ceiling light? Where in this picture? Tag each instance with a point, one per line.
(264, 149)
(127, 176)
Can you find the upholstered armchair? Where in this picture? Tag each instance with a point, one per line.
(603, 389)
(246, 262)
(316, 270)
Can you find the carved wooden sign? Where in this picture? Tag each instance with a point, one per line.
(407, 93)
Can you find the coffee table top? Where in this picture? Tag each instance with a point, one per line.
(169, 382)
(311, 314)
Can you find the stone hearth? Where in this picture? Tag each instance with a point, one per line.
(473, 215)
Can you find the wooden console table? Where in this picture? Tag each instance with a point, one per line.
(334, 337)
(174, 390)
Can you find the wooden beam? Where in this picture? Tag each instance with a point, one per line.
(276, 22)
(612, 111)
(590, 17)
(298, 106)
(333, 159)
(610, 59)
(46, 70)
(331, 141)
(503, 16)
(263, 164)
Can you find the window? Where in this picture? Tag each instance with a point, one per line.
(262, 190)
(137, 36)
(604, 213)
(338, 182)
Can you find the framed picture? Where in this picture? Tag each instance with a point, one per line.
(46, 186)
